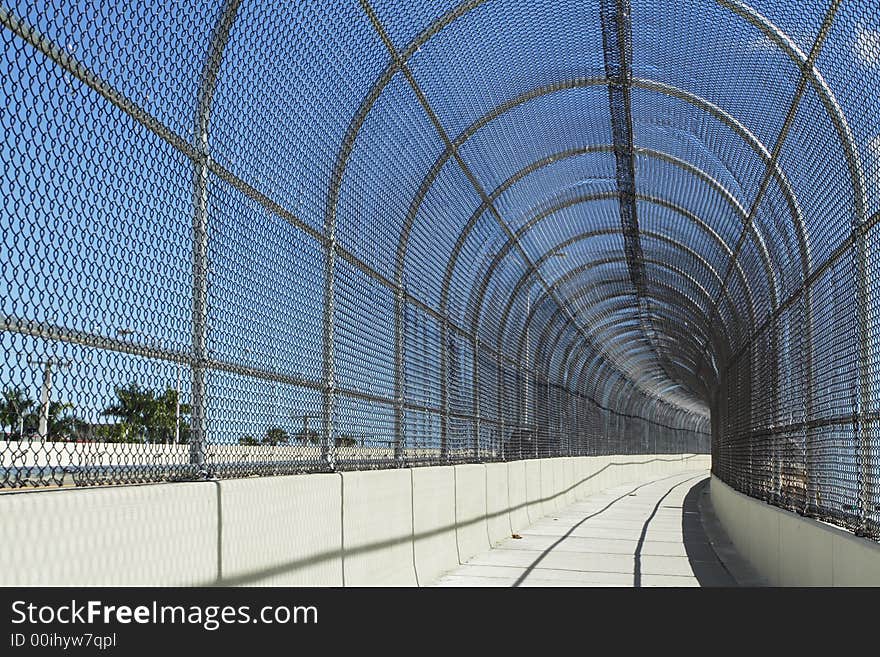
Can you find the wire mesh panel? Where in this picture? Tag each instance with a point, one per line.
(251, 238)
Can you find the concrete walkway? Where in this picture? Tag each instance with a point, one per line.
(639, 534)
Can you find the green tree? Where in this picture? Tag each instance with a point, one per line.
(307, 436)
(16, 412)
(248, 440)
(346, 441)
(146, 416)
(276, 436)
(22, 415)
(63, 421)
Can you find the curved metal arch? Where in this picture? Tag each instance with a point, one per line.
(822, 89)
(614, 383)
(594, 333)
(570, 274)
(607, 330)
(478, 307)
(615, 379)
(616, 295)
(530, 318)
(566, 367)
(600, 329)
(751, 140)
(774, 33)
(702, 225)
(574, 352)
(454, 14)
(684, 301)
(632, 344)
(475, 216)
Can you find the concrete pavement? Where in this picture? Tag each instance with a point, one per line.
(638, 534)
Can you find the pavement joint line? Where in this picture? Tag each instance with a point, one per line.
(582, 535)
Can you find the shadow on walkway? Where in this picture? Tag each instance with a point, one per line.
(708, 568)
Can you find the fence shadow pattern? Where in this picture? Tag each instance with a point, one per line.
(251, 238)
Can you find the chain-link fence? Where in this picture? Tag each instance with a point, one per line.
(250, 238)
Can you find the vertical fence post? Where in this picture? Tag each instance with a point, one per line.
(475, 393)
(399, 374)
(205, 99)
(863, 435)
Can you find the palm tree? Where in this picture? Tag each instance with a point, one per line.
(276, 436)
(16, 411)
(22, 414)
(148, 415)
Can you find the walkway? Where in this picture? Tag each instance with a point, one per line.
(648, 534)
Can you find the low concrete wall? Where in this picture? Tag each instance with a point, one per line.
(534, 506)
(498, 502)
(434, 544)
(377, 528)
(120, 536)
(517, 496)
(299, 524)
(470, 510)
(384, 527)
(791, 550)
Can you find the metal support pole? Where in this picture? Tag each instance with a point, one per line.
(444, 392)
(399, 375)
(863, 433)
(177, 409)
(475, 394)
(45, 394)
(201, 159)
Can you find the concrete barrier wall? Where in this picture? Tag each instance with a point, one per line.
(434, 543)
(791, 550)
(299, 524)
(517, 497)
(498, 502)
(120, 536)
(377, 528)
(384, 527)
(534, 506)
(470, 510)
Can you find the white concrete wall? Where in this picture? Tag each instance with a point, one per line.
(377, 528)
(434, 544)
(470, 510)
(299, 522)
(534, 506)
(119, 536)
(384, 527)
(498, 502)
(517, 497)
(791, 550)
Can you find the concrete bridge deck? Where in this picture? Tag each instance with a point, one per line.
(637, 534)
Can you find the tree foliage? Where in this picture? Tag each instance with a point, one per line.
(21, 414)
(145, 416)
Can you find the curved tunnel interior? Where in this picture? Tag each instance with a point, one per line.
(404, 233)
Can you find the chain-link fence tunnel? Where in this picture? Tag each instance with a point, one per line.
(251, 238)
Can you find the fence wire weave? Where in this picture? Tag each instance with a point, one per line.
(251, 238)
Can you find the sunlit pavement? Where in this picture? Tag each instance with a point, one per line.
(638, 534)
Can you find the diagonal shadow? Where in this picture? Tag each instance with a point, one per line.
(707, 566)
(528, 571)
(343, 552)
(637, 555)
